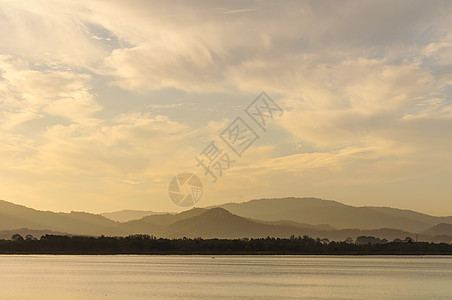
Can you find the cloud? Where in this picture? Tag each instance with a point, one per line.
(131, 143)
(166, 106)
(365, 87)
(52, 33)
(28, 94)
(204, 50)
(93, 160)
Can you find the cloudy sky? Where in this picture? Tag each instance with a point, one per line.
(103, 102)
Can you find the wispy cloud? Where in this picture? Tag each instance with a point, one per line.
(366, 87)
(238, 11)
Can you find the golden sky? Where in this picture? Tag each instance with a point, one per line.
(103, 102)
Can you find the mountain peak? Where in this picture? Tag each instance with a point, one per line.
(439, 229)
(218, 211)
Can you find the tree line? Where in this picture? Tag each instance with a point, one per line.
(145, 244)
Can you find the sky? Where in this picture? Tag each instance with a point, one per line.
(102, 103)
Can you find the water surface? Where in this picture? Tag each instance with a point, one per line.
(225, 277)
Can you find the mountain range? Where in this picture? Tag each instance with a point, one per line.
(338, 215)
(281, 217)
(128, 215)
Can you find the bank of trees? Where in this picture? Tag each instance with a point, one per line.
(145, 244)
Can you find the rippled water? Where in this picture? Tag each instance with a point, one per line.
(224, 277)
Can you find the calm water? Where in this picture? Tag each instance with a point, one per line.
(225, 277)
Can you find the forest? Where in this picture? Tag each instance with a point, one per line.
(145, 244)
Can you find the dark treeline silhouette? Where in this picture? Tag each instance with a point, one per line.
(145, 244)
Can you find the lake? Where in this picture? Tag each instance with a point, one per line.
(225, 277)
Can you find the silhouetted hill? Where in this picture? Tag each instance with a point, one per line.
(13, 216)
(338, 215)
(412, 215)
(156, 224)
(128, 215)
(297, 224)
(440, 229)
(220, 223)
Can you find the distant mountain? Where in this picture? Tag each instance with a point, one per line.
(412, 215)
(440, 229)
(253, 219)
(220, 223)
(128, 215)
(297, 224)
(156, 225)
(13, 216)
(338, 215)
